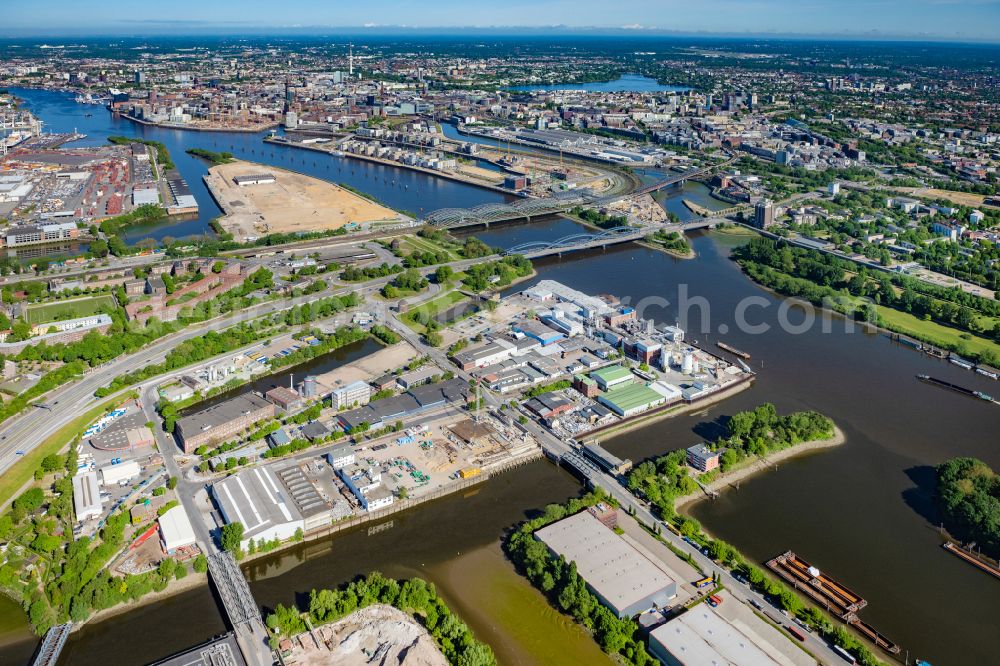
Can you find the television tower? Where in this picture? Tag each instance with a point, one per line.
(350, 60)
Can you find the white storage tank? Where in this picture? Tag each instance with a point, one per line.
(687, 364)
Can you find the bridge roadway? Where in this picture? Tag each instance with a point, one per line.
(602, 239)
(52, 646)
(244, 615)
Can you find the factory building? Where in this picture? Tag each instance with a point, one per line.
(86, 496)
(486, 355)
(220, 422)
(630, 399)
(414, 401)
(545, 335)
(270, 503)
(625, 579)
(611, 376)
(119, 473)
(285, 398)
(366, 484)
(355, 393)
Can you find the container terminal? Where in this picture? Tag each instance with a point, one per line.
(828, 593)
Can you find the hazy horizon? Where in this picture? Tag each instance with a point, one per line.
(915, 20)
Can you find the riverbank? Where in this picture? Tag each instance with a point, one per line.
(191, 581)
(285, 202)
(759, 465)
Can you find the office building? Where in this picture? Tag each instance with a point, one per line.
(703, 458)
(764, 214)
(354, 394)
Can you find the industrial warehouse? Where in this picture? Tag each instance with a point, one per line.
(222, 421)
(271, 503)
(625, 579)
(418, 399)
(728, 633)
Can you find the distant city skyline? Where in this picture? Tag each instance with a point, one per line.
(969, 20)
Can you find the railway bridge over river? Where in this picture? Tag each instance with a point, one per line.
(561, 202)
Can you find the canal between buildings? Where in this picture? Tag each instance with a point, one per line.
(863, 512)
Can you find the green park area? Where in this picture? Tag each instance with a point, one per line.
(69, 309)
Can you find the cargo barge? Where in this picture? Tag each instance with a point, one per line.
(927, 379)
(733, 350)
(835, 597)
(971, 559)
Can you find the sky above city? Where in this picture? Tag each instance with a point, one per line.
(947, 19)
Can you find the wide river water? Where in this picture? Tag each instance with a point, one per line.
(862, 512)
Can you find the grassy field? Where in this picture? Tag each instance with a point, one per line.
(416, 243)
(432, 307)
(70, 309)
(24, 469)
(936, 334)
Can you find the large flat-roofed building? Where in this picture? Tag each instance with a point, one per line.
(46, 233)
(86, 496)
(630, 399)
(702, 635)
(255, 499)
(222, 421)
(611, 376)
(624, 578)
(414, 401)
(254, 179)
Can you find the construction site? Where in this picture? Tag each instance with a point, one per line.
(260, 200)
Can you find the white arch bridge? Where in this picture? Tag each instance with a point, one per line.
(578, 242)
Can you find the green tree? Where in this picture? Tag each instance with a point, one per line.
(232, 536)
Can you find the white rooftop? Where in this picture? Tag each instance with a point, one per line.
(702, 637)
(616, 569)
(176, 529)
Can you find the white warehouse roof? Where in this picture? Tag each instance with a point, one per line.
(122, 471)
(176, 529)
(86, 496)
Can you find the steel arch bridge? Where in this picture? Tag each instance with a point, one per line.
(575, 241)
(497, 212)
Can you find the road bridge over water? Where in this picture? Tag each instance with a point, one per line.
(52, 645)
(241, 608)
(561, 202)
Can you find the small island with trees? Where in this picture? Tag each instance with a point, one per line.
(968, 493)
